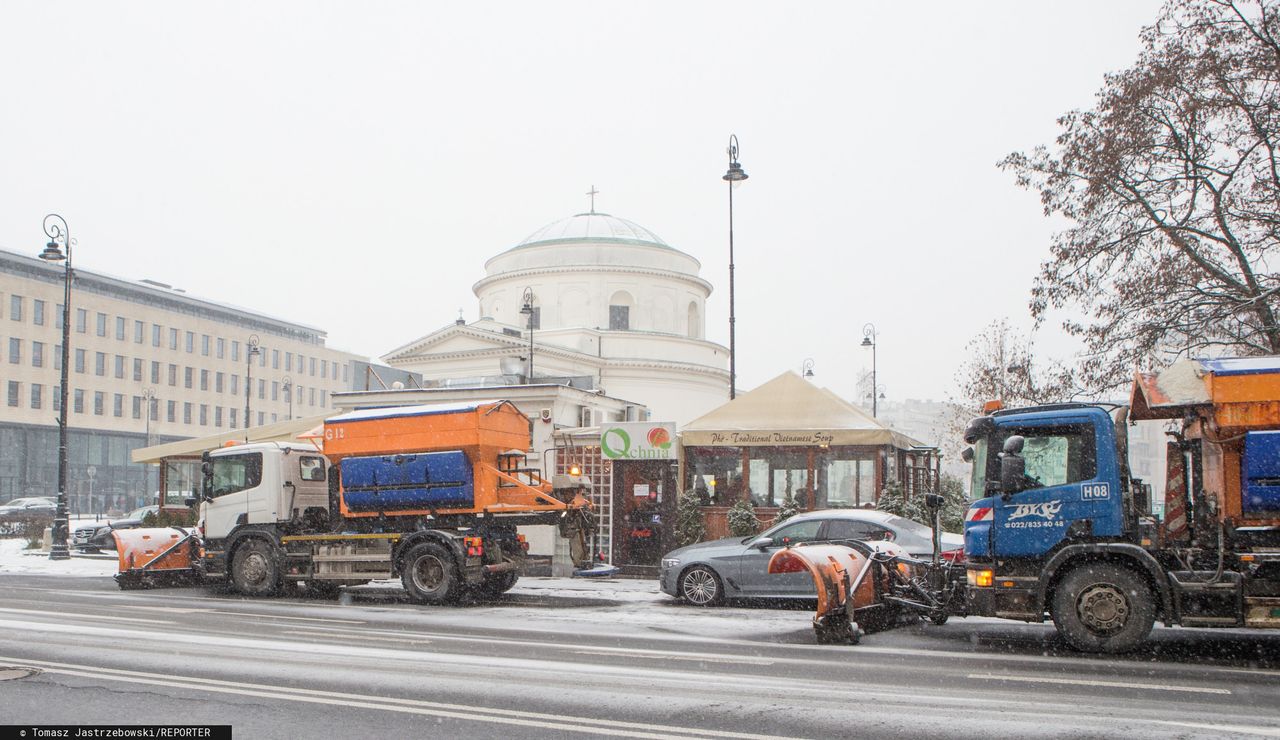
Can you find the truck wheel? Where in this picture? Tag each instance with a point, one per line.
(1103, 608)
(497, 584)
(700, 586)
(254, 570)
(429, 574)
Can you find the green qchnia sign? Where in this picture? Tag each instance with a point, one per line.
(638, 441)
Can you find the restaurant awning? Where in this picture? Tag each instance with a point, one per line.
(790, 410)
(293, 430)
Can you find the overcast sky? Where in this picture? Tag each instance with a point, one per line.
(351, 165)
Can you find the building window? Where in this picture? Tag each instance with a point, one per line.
(204, 414)
(311, 396)
(155, 409)
(15, 350)
(121, 323)
(100, 363)
(82, 319)
(231, 417)
(186, 413)
(99, 403)
(57, 357)
(15, 390)
(188, 377)
(80, 360)
(217, 416)
(172, 411)
(77, 404)
(235, 353)
(173, 339)
(15, 310)
(191, 342)
(217, 382)
(37, 354)
(155, 371)
(137, 408)
(222, 349)
(262, 390)
(139, 332)
(275, 391)
(235, 387)
(37, 312)
(288, 361)
(324, 369)
(37, 395)
(117, 406)
(204, 381)
(120, 367)
(275, 359)
(311, 363)
(137, 369)
(155, 335)
(173, 374)
(102, 324)
(261, 418)
(204, 344)
(57, 317)
(346, 374)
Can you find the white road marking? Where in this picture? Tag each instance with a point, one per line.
(669, 655)
(263, 615)
(83, 615)
(602, 726)
(1091, 682)
(407, 640)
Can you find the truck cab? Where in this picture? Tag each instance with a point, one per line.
(266, 483)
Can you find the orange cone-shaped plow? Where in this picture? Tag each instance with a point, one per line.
(833, 568)
(154, 551)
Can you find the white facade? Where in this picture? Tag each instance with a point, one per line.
(612, 303)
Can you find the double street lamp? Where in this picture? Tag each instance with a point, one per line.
(287, 387)
(149, 400)
(869, 340)
(55, 227)
(735, 177)
(527, 310)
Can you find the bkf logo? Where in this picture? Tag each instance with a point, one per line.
(1047, 510)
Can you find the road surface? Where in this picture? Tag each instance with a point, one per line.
(595, 659)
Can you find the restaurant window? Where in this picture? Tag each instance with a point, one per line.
(778, 473)
(849, 482)
(714, 474)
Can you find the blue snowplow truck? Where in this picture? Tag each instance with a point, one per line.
(1062, 530)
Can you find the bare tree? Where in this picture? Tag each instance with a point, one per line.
(1172, 185)
(1000, 364)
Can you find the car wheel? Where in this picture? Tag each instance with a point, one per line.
(701, 586)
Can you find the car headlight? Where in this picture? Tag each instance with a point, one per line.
(669, 563)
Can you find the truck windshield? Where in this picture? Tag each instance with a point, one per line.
(978, 483)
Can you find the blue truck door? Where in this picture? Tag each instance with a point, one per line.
(1069, 484)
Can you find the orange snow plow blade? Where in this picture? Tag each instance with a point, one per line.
(831, 567)
(155, 556)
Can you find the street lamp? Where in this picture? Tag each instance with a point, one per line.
(287, 386)
(735, 177)
(869, 340)
(149, 398)
(55, 227)
(251, 351)
(527, 309)
(806, 368)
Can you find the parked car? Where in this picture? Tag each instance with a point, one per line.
(97, 536)
(31, 507)
(707, 573)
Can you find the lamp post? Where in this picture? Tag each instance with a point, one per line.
(287, 387)
(55, 227)
(735, 177)
(806, 368)
(527, 309)
(251, 351)
(869, 340)
(149, 399)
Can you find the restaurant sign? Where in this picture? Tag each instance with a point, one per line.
(638, 441)
(754, 439)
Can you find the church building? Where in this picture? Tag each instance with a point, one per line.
(593, 301)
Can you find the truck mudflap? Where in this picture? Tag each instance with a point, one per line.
(864, 584)
(157, 556)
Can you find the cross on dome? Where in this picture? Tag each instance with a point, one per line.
(593, 193)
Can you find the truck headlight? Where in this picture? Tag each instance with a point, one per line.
(669, 563)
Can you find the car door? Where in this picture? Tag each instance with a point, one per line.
(753, 565)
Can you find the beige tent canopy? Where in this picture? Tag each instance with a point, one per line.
(789, 410)
(293, 430)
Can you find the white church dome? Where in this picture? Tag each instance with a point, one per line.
(593, 227)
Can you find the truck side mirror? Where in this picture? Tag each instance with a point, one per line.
(933, 501)
(1013, 445)
(967, 454)
(1012, 472)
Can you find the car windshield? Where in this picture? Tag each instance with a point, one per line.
(910, 527)
(139, 513)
